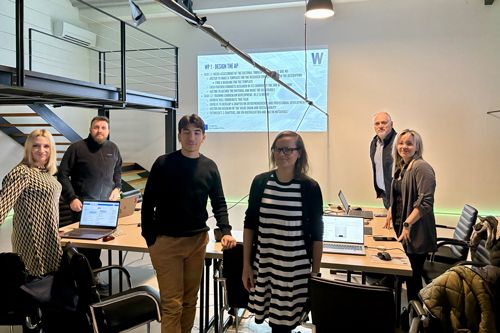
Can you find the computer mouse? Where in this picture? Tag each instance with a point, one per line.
(108, 238)
(384, 256)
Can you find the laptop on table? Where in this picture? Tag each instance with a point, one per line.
(127, 205)
(366, 214)
(343, 234)
(98, 219)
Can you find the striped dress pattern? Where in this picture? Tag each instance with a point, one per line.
(281, 267)
(34, 195)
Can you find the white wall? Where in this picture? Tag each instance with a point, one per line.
(434, 65)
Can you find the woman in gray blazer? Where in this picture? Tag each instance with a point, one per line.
(412, 205)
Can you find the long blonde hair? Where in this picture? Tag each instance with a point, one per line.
(28, 147)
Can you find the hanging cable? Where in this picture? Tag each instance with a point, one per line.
(267, 123)
(305, 53)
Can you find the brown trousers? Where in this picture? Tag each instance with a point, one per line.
(178, 262)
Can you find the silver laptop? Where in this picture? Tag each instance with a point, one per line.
(127, 205)
(343, 234)
(366, 214)
(98, 219)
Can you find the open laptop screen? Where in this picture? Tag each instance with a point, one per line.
(344, 202)
(344, 229)
(99, 214)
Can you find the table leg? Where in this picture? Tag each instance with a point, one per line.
(110, 273)
(398, 288)
(120, 262)
(216, 299)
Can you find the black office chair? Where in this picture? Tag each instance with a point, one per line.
(76, 305)
(16, 308)
(229, 276)
(480, 255)
(452, 250)
(340, 306)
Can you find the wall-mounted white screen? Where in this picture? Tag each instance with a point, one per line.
(231, 92)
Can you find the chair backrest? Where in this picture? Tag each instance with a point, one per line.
(13, 276)
(74, 284)
(338, 306)
(232, 261)
(463, 230)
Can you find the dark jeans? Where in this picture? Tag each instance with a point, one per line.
(414, 284)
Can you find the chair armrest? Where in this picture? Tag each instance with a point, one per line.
(417, 307)
(446, 241)
(145, 291)
(444, 226)
(452, 241)
(117, 267)
(417, 316)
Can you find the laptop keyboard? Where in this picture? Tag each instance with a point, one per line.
(343, 247)
(87, 232)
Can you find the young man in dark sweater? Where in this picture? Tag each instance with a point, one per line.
(174, 225)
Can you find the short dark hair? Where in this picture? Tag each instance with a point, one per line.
(99, 118)
(192, 119)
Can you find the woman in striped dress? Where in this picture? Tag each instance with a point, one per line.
(282, 236)
(33, 191)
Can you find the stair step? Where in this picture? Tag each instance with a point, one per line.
(31, 114)
(25, 125)
(133, 172)
(138, 183)
(25, 134)
(63, 143)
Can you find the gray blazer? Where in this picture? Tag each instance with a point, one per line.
(417, 188)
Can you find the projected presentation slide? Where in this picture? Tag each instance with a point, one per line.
(231, 92)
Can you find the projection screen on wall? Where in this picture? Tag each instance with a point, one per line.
(231, 92)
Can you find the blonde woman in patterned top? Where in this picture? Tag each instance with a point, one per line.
(33, 191)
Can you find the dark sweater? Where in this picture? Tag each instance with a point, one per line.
(176, 194)
(90, 170)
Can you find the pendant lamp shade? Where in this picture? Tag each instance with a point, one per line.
(318, 9)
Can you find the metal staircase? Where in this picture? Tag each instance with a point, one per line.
(18, 125)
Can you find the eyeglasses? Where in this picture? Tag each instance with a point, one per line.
(284, 150)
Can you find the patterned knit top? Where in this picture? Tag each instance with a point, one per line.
(34, 195)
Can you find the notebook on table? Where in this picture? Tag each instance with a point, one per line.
(98, 219)
(343, 234)
(127, 205)
(366, 214)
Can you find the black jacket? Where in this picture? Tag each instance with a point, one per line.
(388, 162)
(90, 170)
